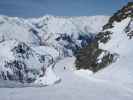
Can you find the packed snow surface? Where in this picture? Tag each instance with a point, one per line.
(71, 87)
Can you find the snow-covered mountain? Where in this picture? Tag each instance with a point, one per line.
(104, 57)
(31, 47)
(21, 63)
(69, 33)
(119, 42)
(58, 24)
(112, 49)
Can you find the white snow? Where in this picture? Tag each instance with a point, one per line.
(46, 50)
(31, 63)
(16, 28)
(112, 83)
(119, 39)
(83, 73)
(49, 78)
(100, 57)
(84, 24)
(122, 70)
(44, 30)
(71, 87)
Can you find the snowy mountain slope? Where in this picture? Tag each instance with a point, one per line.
(112, 49)
(66, 34)
(69, 25)
(23, 64)
(114, 33)
(56, 32)
(121, 44)
(31, 47)
(72, 87)
(54, 26)
(16, 28)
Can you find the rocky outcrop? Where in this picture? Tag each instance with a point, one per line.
(126, 11)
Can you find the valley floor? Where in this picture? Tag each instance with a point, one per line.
(71, 87)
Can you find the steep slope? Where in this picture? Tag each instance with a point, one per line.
(112, 45)
(120, 42)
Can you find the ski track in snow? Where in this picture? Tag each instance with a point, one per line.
(71, 87)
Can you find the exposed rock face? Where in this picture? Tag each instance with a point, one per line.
(95, 58)
(88, 57)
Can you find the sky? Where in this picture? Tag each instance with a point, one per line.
(37, 8)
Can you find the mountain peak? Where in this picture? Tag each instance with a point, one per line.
(124, 12)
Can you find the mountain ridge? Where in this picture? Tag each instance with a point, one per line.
(107, 47)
